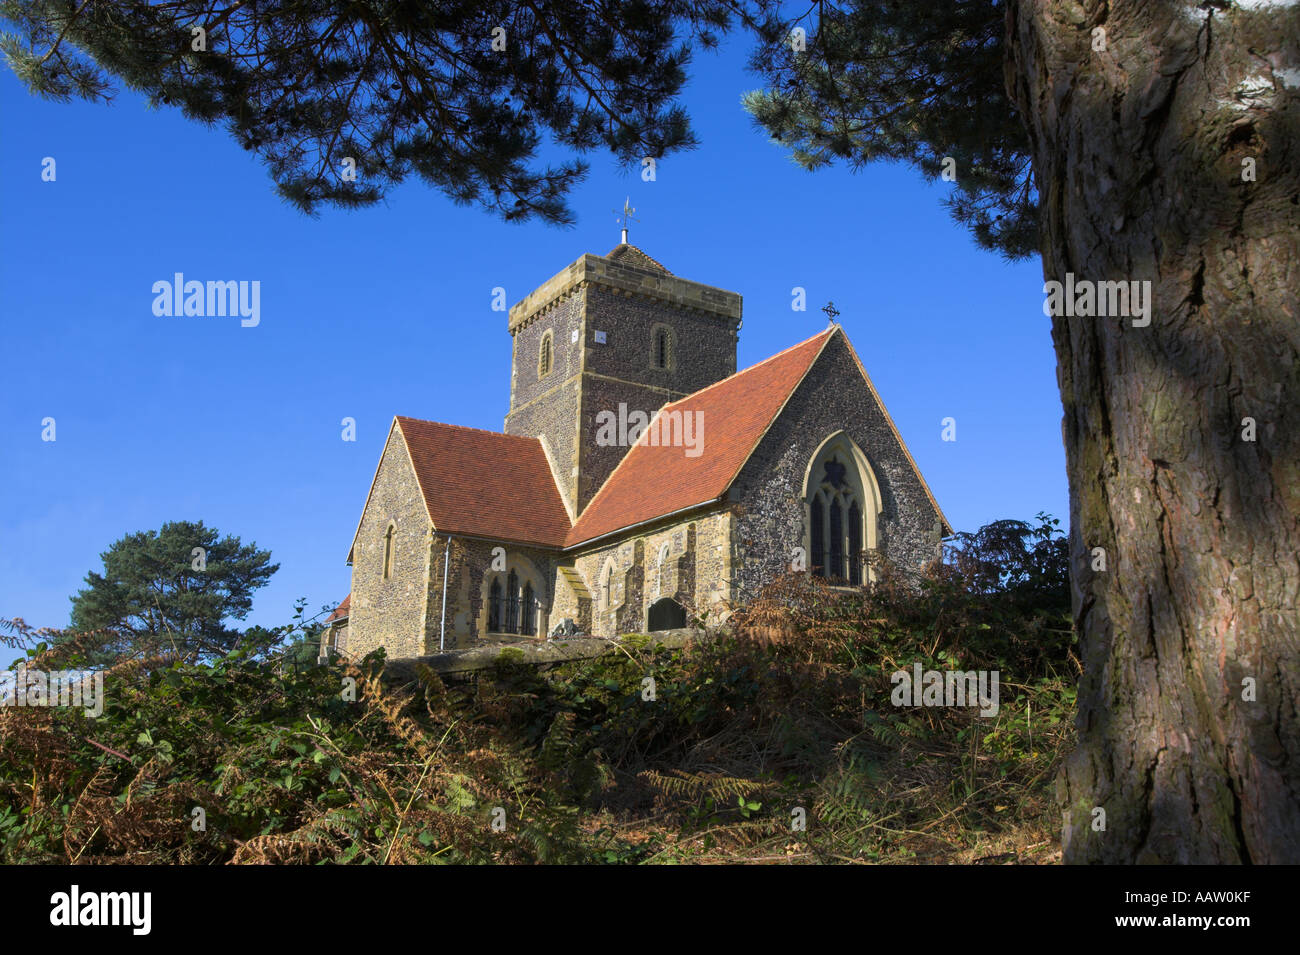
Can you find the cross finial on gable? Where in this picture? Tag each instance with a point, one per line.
(626, 216)
(831, 311)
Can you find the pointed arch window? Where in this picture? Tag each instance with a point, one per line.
(661, 347)
(607, 586)
(839, 526)
(545, 357)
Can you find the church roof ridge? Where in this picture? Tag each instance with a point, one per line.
(625, 251)
(462, 427)
(826, 333)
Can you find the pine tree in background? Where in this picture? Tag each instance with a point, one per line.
(172, 590)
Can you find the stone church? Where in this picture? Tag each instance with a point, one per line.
(641, 482)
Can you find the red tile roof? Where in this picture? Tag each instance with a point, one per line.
(500, 487)
(341, 611)
(654, 481)
(485, 484)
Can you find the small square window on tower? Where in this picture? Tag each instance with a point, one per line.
(600, 338)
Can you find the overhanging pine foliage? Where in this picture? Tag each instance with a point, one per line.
(911, 82)
(459, 94)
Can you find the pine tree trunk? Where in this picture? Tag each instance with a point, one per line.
(1138, 153)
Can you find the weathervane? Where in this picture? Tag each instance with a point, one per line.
(831, 311)
(626, 216)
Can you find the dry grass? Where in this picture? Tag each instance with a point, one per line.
(790, 711)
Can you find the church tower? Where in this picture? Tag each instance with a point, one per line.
(610, 331)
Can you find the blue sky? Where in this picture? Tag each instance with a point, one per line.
(385, 311)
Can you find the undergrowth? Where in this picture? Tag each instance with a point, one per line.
(774, 740)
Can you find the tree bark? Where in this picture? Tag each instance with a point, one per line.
(1138, 156)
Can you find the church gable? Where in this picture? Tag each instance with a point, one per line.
(390, 559)
(830, 479)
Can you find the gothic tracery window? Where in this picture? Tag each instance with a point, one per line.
(837, 503)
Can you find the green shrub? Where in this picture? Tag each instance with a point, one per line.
(788, 710)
